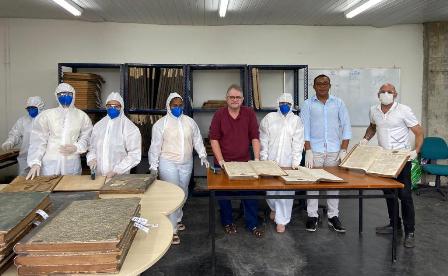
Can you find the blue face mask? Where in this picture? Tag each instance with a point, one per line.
(65, 100)
(284, 108)
(113, 112)
(177, 111)
(32, 111)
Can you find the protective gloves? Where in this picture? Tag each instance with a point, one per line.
(309, 159)
(67, 150)
(7, 146)
(342, 154)
(34, 171)
(92, 164)
(364, 141)
(204, 162)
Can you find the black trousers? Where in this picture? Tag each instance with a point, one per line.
(405, 196)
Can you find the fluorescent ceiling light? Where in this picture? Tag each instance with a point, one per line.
(361, 8)
(70, 6)
(223, 7)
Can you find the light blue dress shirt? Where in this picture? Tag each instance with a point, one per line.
(326, 125)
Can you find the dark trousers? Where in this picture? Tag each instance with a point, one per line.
(405, 196)
(250, 208)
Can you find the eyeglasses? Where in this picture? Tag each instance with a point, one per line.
(322, 83)
(116, 106)
(235, 98)
(388, 92)
(65, 94)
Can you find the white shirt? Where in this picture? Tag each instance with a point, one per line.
(393, 126)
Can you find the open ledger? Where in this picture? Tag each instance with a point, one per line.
(252, 169)
(305, 176)
(376, 161)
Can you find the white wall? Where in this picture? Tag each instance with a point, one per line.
(36, 46)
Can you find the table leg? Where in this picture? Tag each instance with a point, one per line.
(394, 227)
(360, 192)
(212, 228)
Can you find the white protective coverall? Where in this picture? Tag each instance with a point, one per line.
(116, 144)
(282, 140)
(57, 127)
(171, 151)
(20, 133)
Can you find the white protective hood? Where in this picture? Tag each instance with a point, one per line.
(65, 87)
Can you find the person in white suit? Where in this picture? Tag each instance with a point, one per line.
(116, 142)
(282, 139)
(171, 152)
(19, 135)
(58, 137)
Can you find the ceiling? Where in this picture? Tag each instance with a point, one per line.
(240, 12)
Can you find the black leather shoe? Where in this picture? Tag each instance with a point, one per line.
(409, 240)
(387, 230)
(311, 224)
(335, 224)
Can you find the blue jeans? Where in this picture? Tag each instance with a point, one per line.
(250, 207)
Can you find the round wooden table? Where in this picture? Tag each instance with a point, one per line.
(161, 197)
(160, 200)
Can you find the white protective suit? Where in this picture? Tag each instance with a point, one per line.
(57, 127)
(116, 144)
(20, 133)
(282, 140)
(171, 151)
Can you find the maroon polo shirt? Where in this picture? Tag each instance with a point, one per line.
(234, 135)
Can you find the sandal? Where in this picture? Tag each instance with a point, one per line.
(176, 239)
(257, 233)
(180, 226)
(230, 229)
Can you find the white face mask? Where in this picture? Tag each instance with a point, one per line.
(386, 98)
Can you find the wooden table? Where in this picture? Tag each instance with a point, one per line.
(160, 200)
(2, 186)
(161, 197)
(355, 181)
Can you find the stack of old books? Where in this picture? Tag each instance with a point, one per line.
(87, 236)
(87, 87)
(214, 104)
(17, 217)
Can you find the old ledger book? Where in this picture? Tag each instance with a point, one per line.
(252, 169)
(17, 211)
(38, 184)
(128, 184)
(306, 176)
(376, 161)
(72, 183)
(85, 225)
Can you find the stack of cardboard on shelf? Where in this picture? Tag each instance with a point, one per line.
(256, 96)
(144, 124)
(214, 104)
(17, 217)
(87, 87)
(87, 236)
(208, 146)
(38, 184)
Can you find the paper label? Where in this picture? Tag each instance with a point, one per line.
(140, 220)
(141, 227)
(42, 213)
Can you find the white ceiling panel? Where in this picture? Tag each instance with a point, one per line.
(240, 12)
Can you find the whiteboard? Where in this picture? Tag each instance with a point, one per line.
(357, 87)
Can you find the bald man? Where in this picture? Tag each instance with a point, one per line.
(393, 121)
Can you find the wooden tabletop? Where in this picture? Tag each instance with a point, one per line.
(2, 186)
(146, 249)
(161, 197)
(354, 180)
